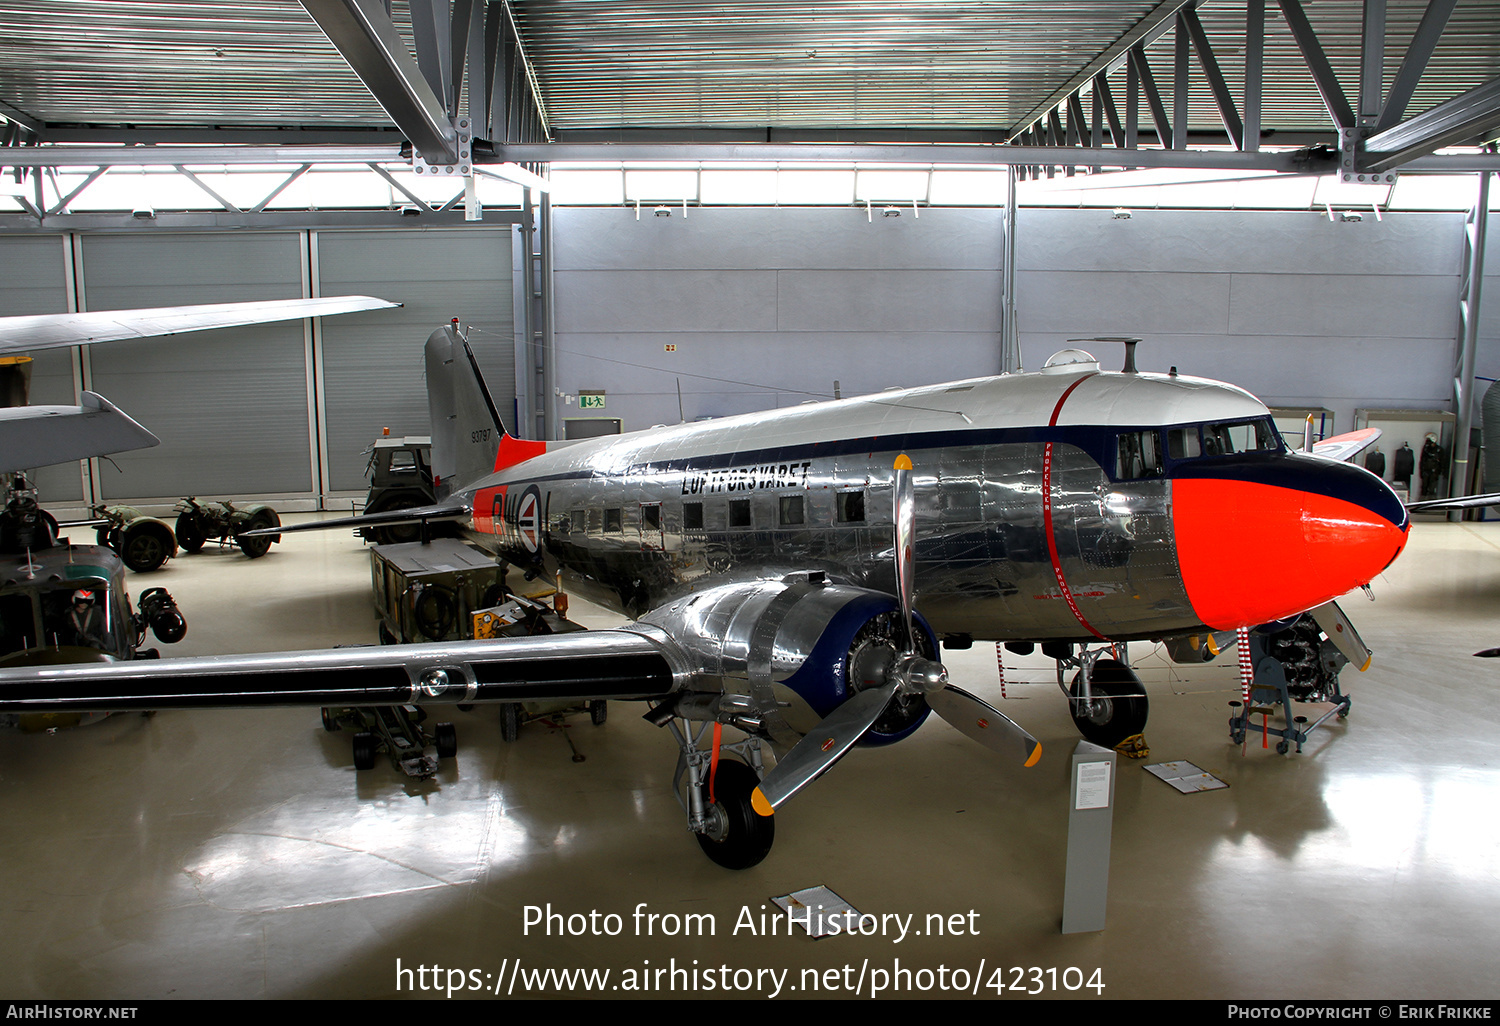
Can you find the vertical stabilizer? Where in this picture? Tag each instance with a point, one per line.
(469, 440)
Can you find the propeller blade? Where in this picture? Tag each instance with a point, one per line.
(1489, 653)
(904, 519)
(985, 724)
(823, 746)
(1343, 635)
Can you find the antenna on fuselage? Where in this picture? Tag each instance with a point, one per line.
(1130, 344)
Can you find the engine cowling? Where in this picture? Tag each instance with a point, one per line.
(801, 641)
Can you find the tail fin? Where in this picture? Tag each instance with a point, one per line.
(469, 440)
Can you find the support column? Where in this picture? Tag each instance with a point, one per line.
(1010, 339)
(1468, 319)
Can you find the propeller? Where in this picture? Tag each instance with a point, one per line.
(912, 673)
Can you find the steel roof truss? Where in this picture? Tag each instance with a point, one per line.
(364, 34)
(1465, 118)
(1317, 64)
(1180, 85)
(1147, 83)
(281, 188)
(1255, 57)
(1423, 42)
(200, 184)
(1216, 84)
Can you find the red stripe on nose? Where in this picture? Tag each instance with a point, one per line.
(1251, 553)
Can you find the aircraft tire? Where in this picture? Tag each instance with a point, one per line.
(145, 548)
(1109, 718)
(599, 712)
(446, 738)
(364, 750)
(257, 547)
(510, 721)
(190, 535)
(746, 837)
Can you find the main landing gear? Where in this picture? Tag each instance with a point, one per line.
(1105, 697)
(714, 790)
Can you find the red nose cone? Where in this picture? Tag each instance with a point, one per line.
(1252, 551)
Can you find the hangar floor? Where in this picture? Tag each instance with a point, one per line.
(238, 854)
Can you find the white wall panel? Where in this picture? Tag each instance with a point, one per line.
(372, 362)
(34, 282)
(230, 406)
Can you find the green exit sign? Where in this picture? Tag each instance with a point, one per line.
(591, 400)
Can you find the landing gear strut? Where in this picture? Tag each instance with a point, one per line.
(716, 798)
(1106, 698)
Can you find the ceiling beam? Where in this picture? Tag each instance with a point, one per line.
(1468, 117)
(364, 34)
(197, 156)
(995, 156)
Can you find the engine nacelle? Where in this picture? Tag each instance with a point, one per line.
(799, 640)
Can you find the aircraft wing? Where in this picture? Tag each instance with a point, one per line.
(39, 436)
(617, 664)
(53, 331)
(1346, 446)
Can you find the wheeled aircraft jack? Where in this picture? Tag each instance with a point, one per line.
(1312, 664)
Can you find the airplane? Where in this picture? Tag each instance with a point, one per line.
(792, 572)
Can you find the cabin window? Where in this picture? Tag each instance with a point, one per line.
(613, 521)
(651, 516)
(692, 516)
(577, 519)
(1139, 455)
(739, 512)
(595, 521)
(1184, 444)
(791, 510)
(852, 507)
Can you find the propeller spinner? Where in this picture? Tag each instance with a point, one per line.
(913, 673)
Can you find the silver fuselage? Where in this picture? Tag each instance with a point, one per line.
(1024, 528)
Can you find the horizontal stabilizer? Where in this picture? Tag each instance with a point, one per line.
(53, 331)
(1457, 502)
(39, 436)
(1347, 445)
(442, 511)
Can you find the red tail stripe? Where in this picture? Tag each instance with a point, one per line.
(516, 450)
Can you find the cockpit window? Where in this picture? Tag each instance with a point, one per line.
(1139, 455)
(1184, 444)
(1249, 436)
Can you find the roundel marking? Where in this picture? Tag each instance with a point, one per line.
(529, 519)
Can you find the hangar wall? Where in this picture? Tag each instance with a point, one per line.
(785, 300)
(767, 307)
(238, 410)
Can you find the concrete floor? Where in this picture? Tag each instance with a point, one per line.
(238, 854)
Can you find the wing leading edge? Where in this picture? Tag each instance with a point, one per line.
(53, 331)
